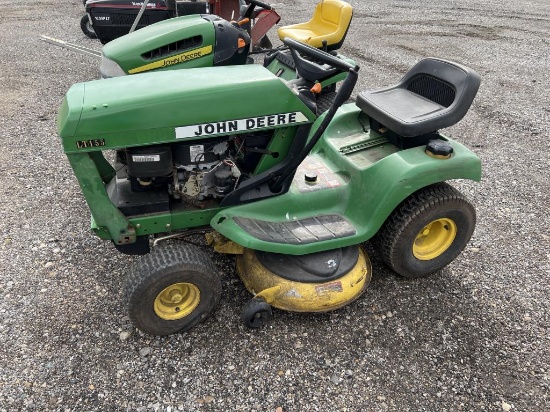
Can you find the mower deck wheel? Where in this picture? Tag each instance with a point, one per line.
(171, 289)
(87, 27)
(426, 231)
(256, 313)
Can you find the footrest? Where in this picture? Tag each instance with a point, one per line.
(304, 231)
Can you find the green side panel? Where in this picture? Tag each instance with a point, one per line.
(88, 169)
(127, 50)
(368, 178)
(146, 109)
(280, 143)
(283, 71)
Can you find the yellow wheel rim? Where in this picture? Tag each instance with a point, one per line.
(434, 239)
(177, 301)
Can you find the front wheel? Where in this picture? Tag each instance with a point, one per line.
(427, 231)
(171, 289)
(87, 27)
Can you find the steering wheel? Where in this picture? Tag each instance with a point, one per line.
(253, 4)
(322, 64)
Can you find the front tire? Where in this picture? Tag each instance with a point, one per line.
(87, 28)
(171, 289)
(427, 231)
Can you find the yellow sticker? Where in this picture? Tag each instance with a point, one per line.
(172, 60)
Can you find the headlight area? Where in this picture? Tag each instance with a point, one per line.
(109, 68)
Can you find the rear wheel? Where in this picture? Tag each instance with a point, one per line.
(427, 231)
(171, 289)
(87, 27)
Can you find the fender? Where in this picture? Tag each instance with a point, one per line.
(368, 185)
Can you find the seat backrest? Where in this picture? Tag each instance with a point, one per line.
(336, 14)
(330, 22)
(445, 83)
(334, 11)
(433, 95)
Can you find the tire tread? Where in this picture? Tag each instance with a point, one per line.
(429, 197)
(165, 258)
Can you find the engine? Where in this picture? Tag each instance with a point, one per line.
(187, 171)
(150, 177)
(200, 175)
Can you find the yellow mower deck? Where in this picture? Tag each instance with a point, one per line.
(294, 296)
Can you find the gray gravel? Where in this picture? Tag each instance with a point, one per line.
(472, 337)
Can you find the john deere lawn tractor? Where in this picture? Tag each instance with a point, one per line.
(291, 194)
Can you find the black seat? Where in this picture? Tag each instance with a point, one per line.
(434, 94)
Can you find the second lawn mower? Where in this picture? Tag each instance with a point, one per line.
(209, 40)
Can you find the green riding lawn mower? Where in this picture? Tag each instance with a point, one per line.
(244, 155)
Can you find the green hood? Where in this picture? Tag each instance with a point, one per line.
(127, 111)
(147, 48)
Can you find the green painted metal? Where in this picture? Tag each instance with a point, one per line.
(127, 51)
(282, 70)
(87, 168)
(371, 184)
(144, 110)
(279, 144)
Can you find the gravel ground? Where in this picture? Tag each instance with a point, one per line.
(472, 337)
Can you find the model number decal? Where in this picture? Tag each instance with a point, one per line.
(230, 126)
(333, 287)
(149, 5)
(145, 158)
(84, 144)
(177, 59)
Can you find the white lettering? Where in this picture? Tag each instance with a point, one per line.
(150, 5)
(253, 123)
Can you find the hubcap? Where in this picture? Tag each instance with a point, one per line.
(434, 239)
(177, 301)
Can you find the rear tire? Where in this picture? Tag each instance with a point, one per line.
(87, 27)
(171, 289)
(427, 231)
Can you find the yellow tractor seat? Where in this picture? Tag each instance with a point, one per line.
(330, 22)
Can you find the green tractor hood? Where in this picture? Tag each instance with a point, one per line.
(171, 105)
(182, 42)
